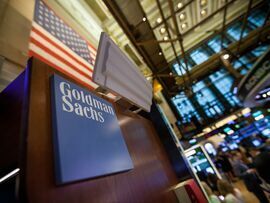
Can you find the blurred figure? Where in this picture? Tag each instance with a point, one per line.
(251, 181)
(212, 182)
(225, 165)
(243, 152)
(261, 161)
(202, 176)
(231, 195)
(212, 197)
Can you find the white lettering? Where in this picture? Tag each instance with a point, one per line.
(92, 110)
(65, 90)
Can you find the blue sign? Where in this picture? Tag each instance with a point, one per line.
(87, 139)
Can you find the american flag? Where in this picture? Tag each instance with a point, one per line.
(57, 44)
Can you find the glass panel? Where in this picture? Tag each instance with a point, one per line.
(184, 107)
(217, 75)
(234, 31)
(215, 43)
(199, 55)
(245, 61)
(243, 71)
(260, 50)
(258, 16)
(207, 100)
(179, 70)
(223, 82)
(237, 64)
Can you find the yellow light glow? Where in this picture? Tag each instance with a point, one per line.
(184, 26)
(203, 12)
(157, 87)
(179, 5)
(162, 30)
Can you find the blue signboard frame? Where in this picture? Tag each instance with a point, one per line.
(87, 139)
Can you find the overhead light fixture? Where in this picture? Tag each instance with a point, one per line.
(170, 73)
(165, 38)
(144, 19)
(182, 16)
(246, 110)
(160, 53)
(264, 95)
(179, 5)
(259, 117)
(268, 93)
(203, 12)
(184, 25)
(159, 20)
(235, 90)
(226, 56)
(162, 30)
(203, 2)
(230, 132)
(9, 175)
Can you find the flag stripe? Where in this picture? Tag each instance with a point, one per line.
(89, 85)
(57, 44)
(35, 39)
(32, 53)
(92, 50)
(60, 65)
(42, 32)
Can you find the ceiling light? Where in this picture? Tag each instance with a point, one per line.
(259, 117)
(160, 53)
(144, 19)
(268, 93)
(9, 175)
(203, 12)
(230, 132)
(170, 73)
(264, 95)
(235, 90)
(226, 56)
(165, 38)
(184, 26)
(162, 30)
(182, 16)
(203, 2)
(179, 5)
(159, 20)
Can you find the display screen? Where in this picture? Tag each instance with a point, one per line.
(266, 132)
(256, 143)
(199, 162)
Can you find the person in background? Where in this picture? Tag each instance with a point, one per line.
(261, 161)
(230, 194)
(212, 182)
(251, 181)
(224, 163)
(202, 175)
(212, 197)
(243, 152)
